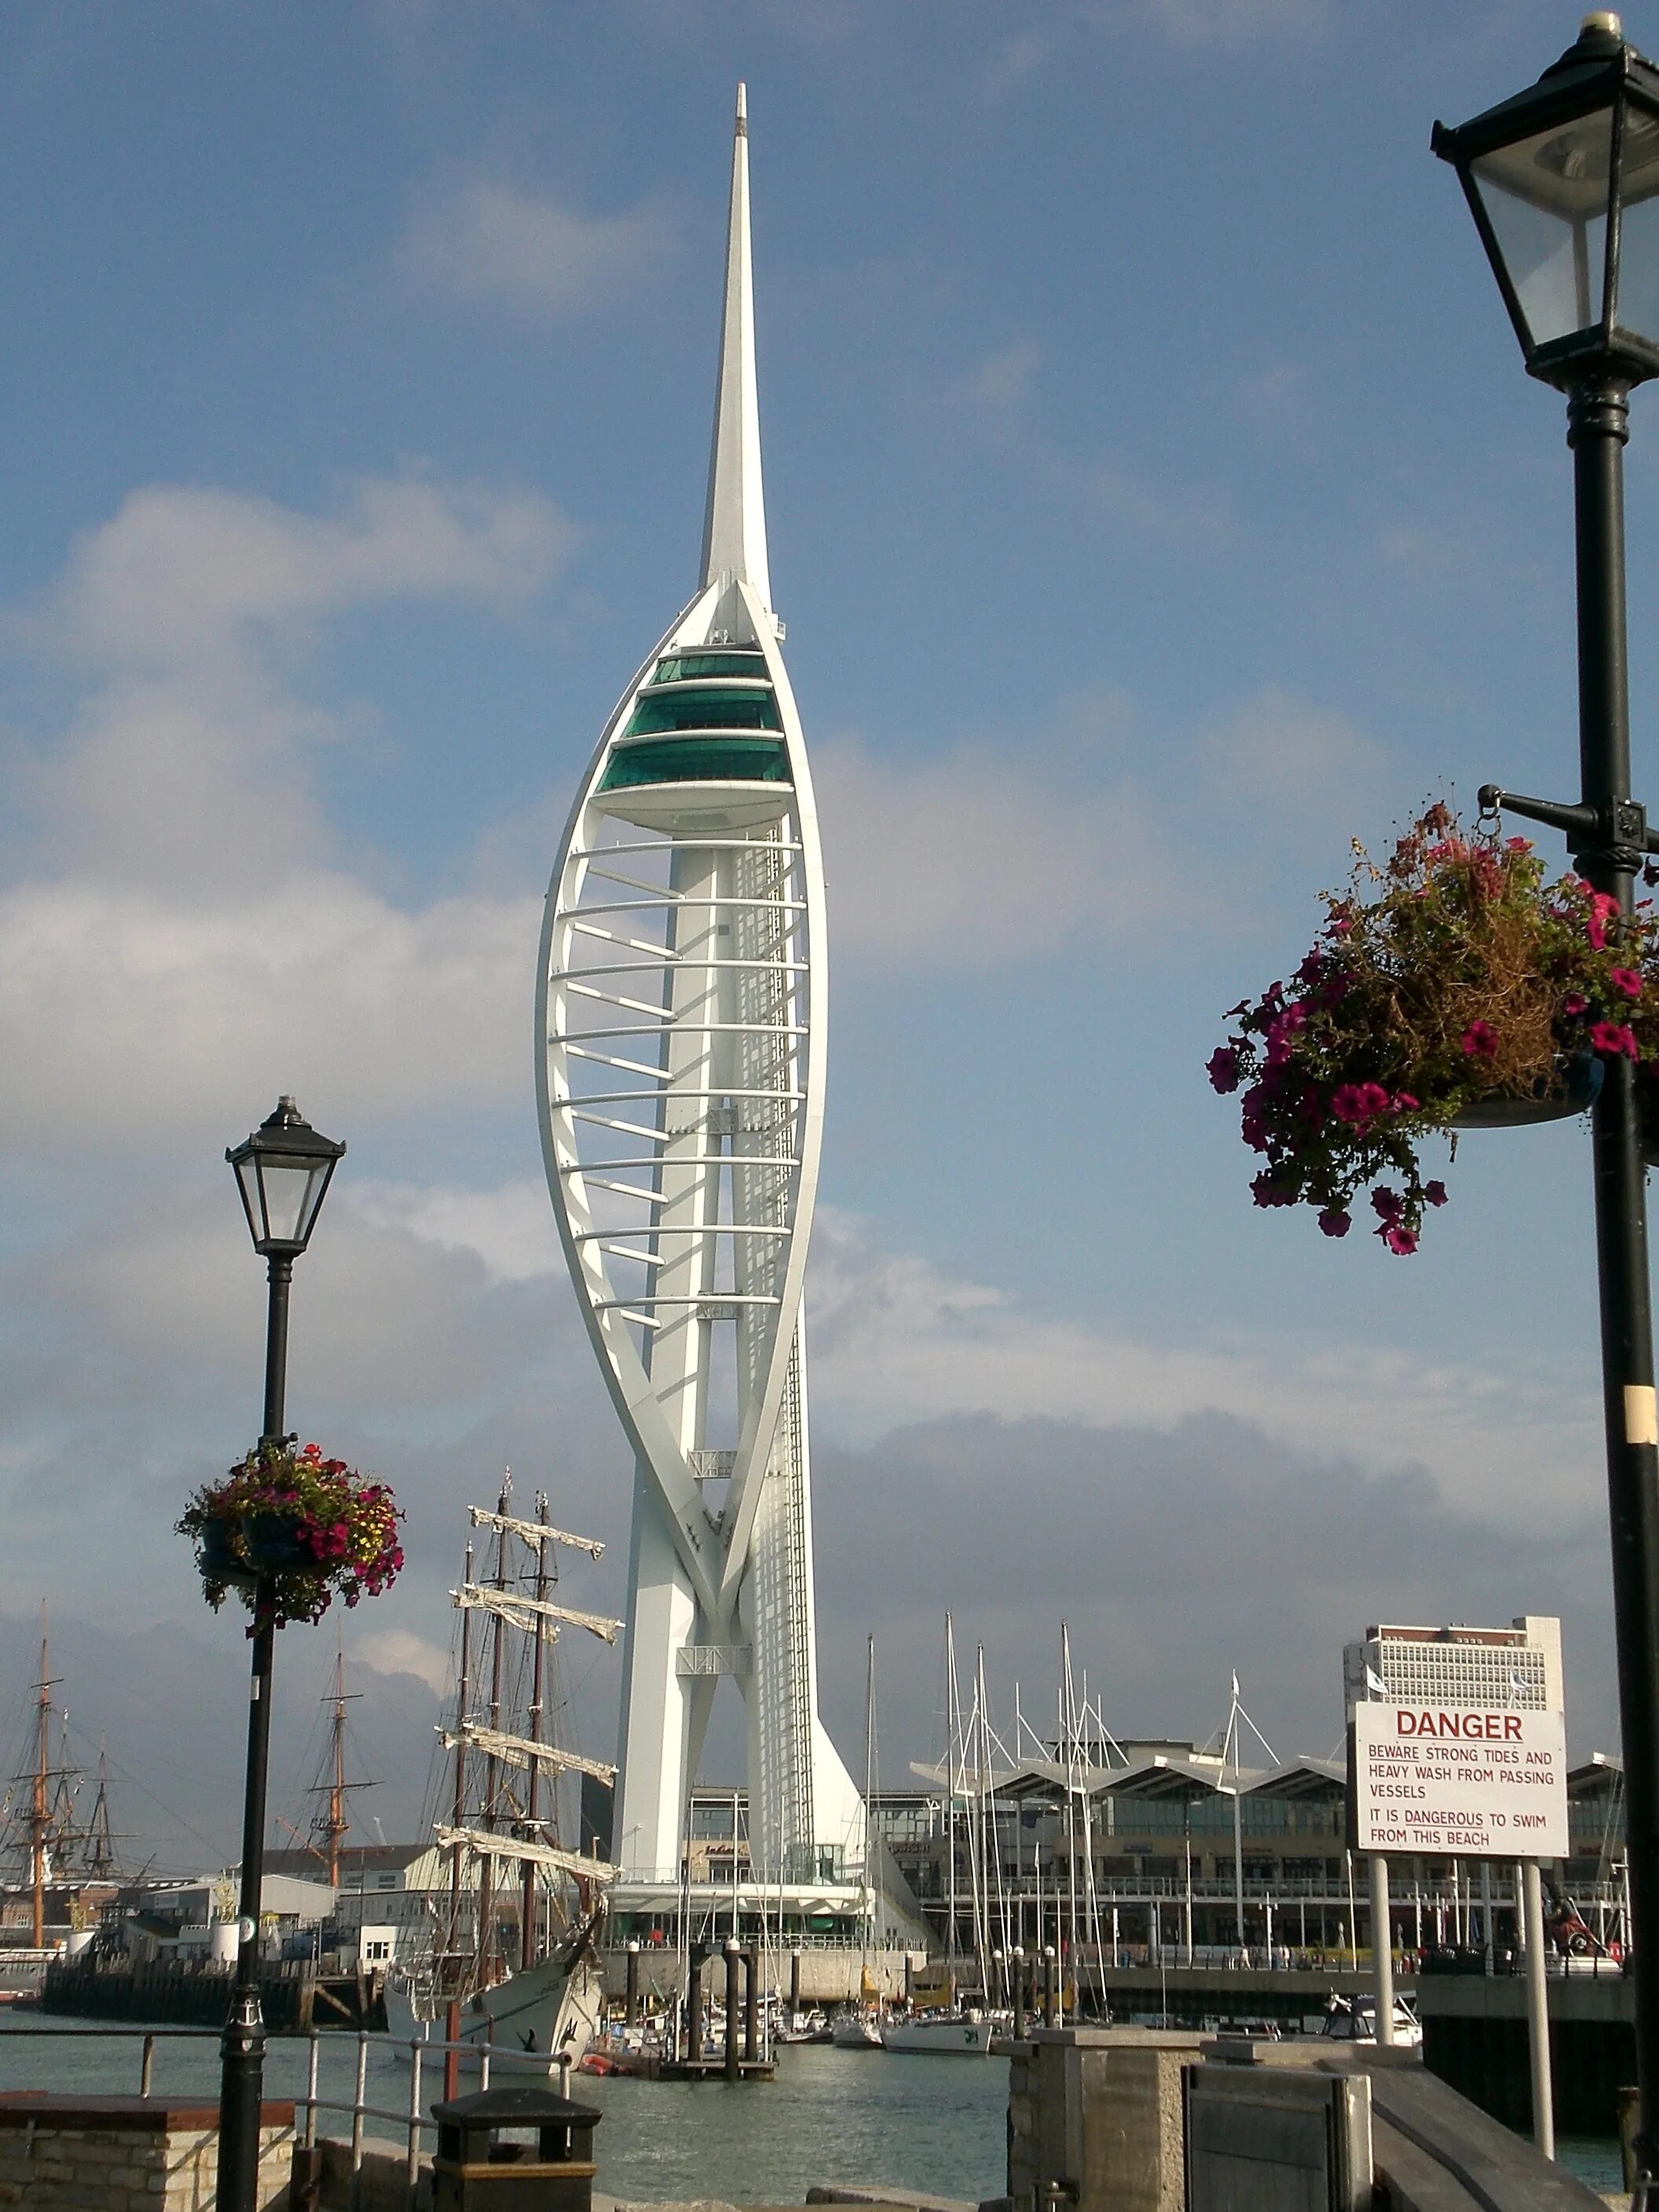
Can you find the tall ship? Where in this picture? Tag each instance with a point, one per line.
(510, 1960)
(58, 1848)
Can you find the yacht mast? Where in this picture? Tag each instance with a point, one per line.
(952, 1731)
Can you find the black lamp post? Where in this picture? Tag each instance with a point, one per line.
(1563, 181)
(282, 1171)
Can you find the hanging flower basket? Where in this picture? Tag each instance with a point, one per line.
(290, 1530)
(1453, 988)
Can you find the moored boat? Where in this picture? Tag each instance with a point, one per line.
(940, 2034)
(857, 2029)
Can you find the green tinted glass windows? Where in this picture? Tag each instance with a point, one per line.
(708, 708)
(674, 668)
(697, 760)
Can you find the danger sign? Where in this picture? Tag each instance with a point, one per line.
(1431, 1780)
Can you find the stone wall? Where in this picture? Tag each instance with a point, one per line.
(68, 2153)
(1097, 2112)
(382, 2184)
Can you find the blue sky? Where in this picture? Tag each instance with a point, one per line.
(1156, 501)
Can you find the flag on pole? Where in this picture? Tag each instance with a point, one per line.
(1375, 1686)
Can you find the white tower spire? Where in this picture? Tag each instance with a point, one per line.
(734, 530)
(681, 1023)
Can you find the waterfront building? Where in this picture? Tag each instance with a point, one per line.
(401, 1887)
(1518, 1666)
(1131, 1850)
(681, 1057)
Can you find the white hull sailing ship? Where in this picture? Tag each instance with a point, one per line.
(512, 1962)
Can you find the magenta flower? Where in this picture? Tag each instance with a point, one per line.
(1388, 1203)
(1481, 1040)
(1223, 1069)
(1614, 1037)
(1360, 1103)
(1402, 1242)
(1575, 1003)
(1265, 1192)
(1625, 980)
(1435, 1193)
(1334, 1222)
(1402, 1102)
(1603, 908)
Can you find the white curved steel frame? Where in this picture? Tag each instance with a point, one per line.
(681, 1066)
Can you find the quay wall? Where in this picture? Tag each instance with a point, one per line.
(829, 1973)
(68, 2154)
(292, 1998)
(1191, 1995)
(1100, 2120)
(1475, 2038)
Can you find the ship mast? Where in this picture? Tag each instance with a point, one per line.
(334, 1826)
(492, 1761)
(463, 1695)
(527, 1910)
(39, 1811)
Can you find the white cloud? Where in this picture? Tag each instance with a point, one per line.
(185, 1011)
(181, 573)
(397, 1651)
(160, 958)
(509, 1229)
(482, 239)
(895, 1339)
(963, 863)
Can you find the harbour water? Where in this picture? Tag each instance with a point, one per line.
(933, 2123)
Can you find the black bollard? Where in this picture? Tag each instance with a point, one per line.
(751, 2004)
(694, 2002)
(794, 1981)
(733, 1956)
(1019, 1992)
(1050, 1985)
(631, 1999)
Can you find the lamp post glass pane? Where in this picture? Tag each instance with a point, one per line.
(1639, 230)
(293, 1192)
(1546, 198)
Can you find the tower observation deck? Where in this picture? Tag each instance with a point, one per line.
(681, 1058)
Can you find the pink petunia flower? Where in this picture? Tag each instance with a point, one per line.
(1574, 1003)
(1614, 1037)
(1435, 1193)
(1222, 1068)
(1481, 1040)
(1334, 1222)
(1402, 1242)
(1625, 980)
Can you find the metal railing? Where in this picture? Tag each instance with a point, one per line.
(410, 2118)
